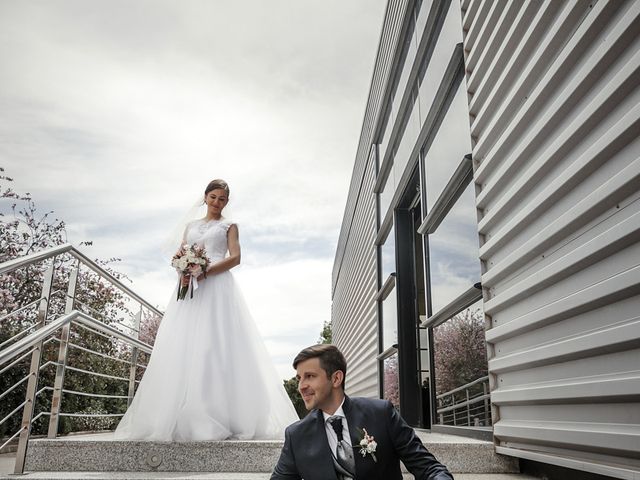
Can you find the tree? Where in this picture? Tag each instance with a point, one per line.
(390, 382)
(291, 386)
(325, 334)
(460, 353)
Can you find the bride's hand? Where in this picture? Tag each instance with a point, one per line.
(206, 273)
(184, 280)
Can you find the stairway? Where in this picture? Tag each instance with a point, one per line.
(99, 457)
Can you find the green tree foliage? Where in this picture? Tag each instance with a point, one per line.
(325, 334)
(23, 230)
(291, 386)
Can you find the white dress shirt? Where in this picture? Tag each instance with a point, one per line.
(331, 434)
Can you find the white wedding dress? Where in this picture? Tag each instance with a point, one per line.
(210, 376)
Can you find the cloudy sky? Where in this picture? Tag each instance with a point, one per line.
(115, 114)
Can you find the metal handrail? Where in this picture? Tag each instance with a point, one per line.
(100, 354)
(16, 361)
(13, 387)
(465, 411)
(11, 265)
(463, 387)
(28, 344)
(55, 325)
(19, 334)
(24, 307)
(39, 335)
(101, 375)
(93, 395)
(466, 403)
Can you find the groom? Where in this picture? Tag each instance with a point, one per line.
(328, 444)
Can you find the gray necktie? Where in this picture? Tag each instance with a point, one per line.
(344, 452)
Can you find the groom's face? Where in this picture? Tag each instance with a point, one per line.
(317, 389)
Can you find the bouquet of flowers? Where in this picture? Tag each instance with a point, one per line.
(190, 261)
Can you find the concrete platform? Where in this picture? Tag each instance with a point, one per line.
(100, 453)
(98, 456)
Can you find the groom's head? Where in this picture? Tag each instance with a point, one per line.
(321, 371)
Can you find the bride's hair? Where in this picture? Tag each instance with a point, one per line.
(217, 184)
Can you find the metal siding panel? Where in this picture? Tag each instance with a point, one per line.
(391, 29)
(487, 34)
(354, 315)
(502, 43)
(355, 279)
(557, 176)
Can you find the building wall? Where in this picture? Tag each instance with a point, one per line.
(554, 103)
(355, 278)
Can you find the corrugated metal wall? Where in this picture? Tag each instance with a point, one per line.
(555, 117)
(355, 278)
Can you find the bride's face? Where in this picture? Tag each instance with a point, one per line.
(216, 200)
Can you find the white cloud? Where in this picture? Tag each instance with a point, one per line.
(116, 115)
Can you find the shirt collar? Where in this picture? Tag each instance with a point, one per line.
(339, 412)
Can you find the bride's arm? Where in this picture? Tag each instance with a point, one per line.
(233, 243)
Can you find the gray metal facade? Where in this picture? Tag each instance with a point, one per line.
(554, 108)
(355, 278)
(554, 102)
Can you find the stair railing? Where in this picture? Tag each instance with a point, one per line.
(468, 405)
(121, 335)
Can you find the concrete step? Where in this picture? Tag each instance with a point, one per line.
(99, 453)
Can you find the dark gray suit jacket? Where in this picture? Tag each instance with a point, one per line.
(306, 453)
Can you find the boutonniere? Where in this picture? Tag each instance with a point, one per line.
(367, 444)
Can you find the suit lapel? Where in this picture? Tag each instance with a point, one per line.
(324, 465)
(355, 421)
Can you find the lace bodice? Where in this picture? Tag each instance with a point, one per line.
(212, 235)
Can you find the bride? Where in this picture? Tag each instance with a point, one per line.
(209, 376)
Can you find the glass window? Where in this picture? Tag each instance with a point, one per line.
(423, 338)
(389, 320)
(408, 138)
(384, 142)
(385, 197)
(390, 381)
(409, 55)
(388, 255)
(451, 144)
(460, 362)
(410, 49)
(431, 74)
(422, 13)
(453, 252)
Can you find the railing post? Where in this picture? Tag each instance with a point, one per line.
(134, 359)
(468, 408)
(487, 412)
(32, 384)
(56, 400)
(455, 416)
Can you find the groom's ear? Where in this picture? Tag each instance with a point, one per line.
(337, 378)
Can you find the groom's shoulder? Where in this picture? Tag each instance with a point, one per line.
(376, 403)
(304, 423)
